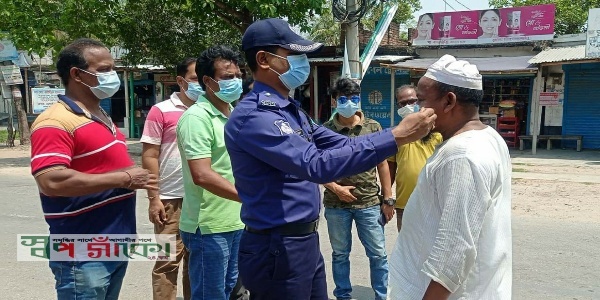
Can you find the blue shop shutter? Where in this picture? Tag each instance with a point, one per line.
(581, 114)
(106, 104)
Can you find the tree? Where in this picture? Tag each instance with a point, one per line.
(239, 14)
(164, 32)
(41, 25)
(325, 29)
(571, 15)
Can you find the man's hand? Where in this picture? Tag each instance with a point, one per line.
(414, 126)
(344, 193)
(139, 178)
(156, 211)
(388, 211)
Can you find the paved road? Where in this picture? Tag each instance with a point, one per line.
(552, 259)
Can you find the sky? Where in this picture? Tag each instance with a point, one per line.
(432, 6)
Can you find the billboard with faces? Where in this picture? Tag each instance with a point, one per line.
(491, 26)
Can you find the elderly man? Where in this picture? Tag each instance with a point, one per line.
(456, 237)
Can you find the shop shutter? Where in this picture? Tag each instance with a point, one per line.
(581, 115)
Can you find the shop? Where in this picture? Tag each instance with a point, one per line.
(507, 86)
(575, 78)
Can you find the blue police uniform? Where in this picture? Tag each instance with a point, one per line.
(278, 158)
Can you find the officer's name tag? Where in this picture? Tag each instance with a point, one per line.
(284, 127)
(267, 103)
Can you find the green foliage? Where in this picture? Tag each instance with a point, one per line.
(571, 15)
(41, 25)
(155, 31)
(165, 32)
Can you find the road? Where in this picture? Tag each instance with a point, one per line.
(554, 258)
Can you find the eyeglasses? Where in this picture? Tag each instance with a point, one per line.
(344, 99)
(404, 103)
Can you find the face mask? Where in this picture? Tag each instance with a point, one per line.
(229, 89)
(194, 90)
(347, 109)
(108, 84)
(407, 110)
(298, 72)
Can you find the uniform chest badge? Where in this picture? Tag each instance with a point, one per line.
(267, 103)
(284, 127)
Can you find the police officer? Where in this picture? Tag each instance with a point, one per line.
(279, 156)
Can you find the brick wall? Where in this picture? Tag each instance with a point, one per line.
(390, 39)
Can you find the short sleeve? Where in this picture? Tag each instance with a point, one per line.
(153, 127)
(51, 147)
(463, 200)
(392, 159)
(195, 135)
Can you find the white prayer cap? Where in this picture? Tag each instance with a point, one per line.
(454, 72)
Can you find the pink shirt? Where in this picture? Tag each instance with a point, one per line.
(160, 129)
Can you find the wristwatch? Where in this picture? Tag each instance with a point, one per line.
(390, 201)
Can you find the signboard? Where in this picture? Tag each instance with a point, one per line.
(592, 45)
(549, 98)
(8, 51)
(42, 98)
(11, 75)
(491, 26)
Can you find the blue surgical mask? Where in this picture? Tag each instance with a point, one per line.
(229, 89)
(298, 72)
(108, 84)
(194, 90)
(347, 109)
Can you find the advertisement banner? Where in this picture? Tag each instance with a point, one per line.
(8, 51)
(490, 26)
(549, 98)
(42, 98)
(592, 45)
(11, 74)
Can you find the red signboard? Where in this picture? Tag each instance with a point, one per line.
(491, 26)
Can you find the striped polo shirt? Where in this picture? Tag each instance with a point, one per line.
(66, 136)
(160, 129)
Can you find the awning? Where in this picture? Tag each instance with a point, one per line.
(487, 65)
(378, 58)
(562, 54)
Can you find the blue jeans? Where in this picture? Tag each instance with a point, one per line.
(97, 280)
(213, 263)
(370, 233)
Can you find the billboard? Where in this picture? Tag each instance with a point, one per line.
(592, 45)
(490, 26)
(42, 98)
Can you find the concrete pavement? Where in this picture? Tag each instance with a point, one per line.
(552, 259)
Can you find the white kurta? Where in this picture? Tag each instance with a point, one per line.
(456, 228)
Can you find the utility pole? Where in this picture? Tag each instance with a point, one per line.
(352, 43)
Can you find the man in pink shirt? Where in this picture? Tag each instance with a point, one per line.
(161, 156)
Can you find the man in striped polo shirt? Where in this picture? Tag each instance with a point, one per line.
(161, 156)
(87, 180)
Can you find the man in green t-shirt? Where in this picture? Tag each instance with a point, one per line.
(356, 198)
(210, 224)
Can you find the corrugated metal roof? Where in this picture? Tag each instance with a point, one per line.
(484, 64)
(559, 54)
(388, 58)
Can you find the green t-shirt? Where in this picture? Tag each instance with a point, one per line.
(200, 134)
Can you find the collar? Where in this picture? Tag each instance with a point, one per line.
(73, 107)
(176, 100)
(339, 126)
(260, 87)
(210, 108)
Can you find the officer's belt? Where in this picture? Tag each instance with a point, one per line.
(288, 229)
